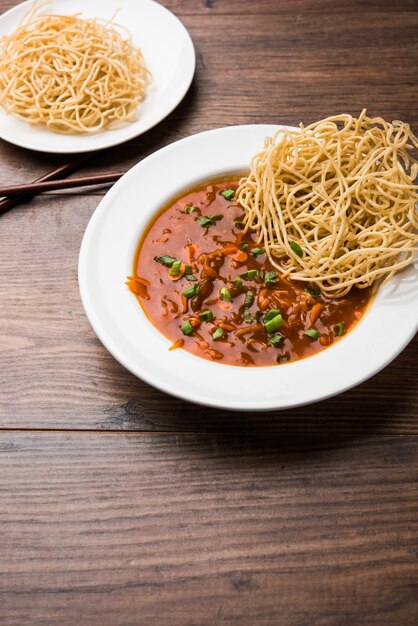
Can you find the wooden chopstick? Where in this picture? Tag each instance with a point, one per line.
(52, 185)
(62, 170)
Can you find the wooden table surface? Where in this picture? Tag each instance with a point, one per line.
(120, 505)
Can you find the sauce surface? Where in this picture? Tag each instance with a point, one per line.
(211, 289)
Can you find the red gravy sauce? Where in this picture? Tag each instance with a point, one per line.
(211, 289)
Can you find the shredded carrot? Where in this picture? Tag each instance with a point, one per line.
(261, 295)
(185, 303)
(325, 340)
(191, 249)
(248, 329)
(141, 281)
(215, 354)
(226, 326)
(316, 311)
(264, 304)
(195, 322)
(177, 344)
(239, 237)
(239, 256)
(208, 272)
(138, 289)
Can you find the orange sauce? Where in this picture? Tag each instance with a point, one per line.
(266, 327)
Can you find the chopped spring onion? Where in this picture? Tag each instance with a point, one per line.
(271, 314)
(239, 224)
(339, 329)
(191, 291)
(187, 328)
(249, 299)
(257, 251)
(296, 248)
(165, 260)
(315, 293)
(238, 283)
(313, 333)
(270, 278)
(250, 275)
(175, 268)
(274, 324)
(225, 294)
(189, 273)
(218, 334)
(276, 339)
(228, 194)
(190, 209)
(206, 315)
(243, 246)
(208, 220)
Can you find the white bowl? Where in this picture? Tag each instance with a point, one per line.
(106, 257)
(168, 53)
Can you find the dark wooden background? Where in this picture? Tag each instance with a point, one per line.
(122, 506)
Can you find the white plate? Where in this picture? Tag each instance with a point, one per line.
(106, 257)
(168, 53)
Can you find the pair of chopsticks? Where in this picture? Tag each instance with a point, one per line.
(15, 194)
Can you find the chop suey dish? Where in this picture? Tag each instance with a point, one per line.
(279, 265)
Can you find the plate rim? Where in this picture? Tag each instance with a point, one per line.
(31, 145)
(165, 386)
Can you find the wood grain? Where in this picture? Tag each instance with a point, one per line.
(121, 506)
(204, 530)
(260, 68)
(52, 363)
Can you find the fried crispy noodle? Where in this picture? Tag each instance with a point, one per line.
(74, 75)
(335, 203)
